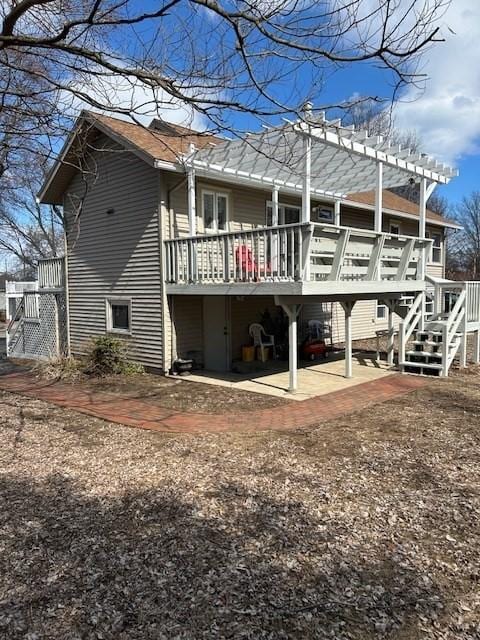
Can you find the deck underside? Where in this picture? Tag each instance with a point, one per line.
(327, 290)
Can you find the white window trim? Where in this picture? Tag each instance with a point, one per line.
(108, 315)
(215, 193)
(429, 234)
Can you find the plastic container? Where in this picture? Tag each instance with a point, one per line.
(248, 353)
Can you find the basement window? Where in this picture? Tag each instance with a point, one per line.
(119, 315)
(381, 312)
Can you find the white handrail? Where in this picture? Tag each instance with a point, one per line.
(408, 325)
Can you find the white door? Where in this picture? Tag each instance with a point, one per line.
(216, 333)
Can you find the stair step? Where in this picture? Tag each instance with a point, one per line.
(421, 368)
(423, 353)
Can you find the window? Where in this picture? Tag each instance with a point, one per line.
(395, 227)
(436, 254)
(119, 312)
(287, 214)
(322, 213)
(291, 214)
(381, 312)
(214, 211)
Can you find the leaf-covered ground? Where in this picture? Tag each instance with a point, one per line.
(365, 527)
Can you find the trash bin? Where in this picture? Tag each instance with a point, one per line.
(248, 353)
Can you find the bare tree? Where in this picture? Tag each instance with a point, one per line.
(28, 230)
(213, 61)
(465, 245)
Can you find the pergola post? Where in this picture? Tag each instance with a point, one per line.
(336, 213)
(422, 217)
(379, 198)
(348, 308)
(192, 214)
(274, 206)
(307, 177)
(292, 312)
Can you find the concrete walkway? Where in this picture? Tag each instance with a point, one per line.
(313, 379)
(150, 415)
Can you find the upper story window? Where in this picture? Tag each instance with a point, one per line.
(291, 213)
(214, 210)
(287, 214)
(436, 255)
(322, 213)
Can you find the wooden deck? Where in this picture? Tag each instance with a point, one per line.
(296, 259)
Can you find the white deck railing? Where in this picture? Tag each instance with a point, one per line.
(17, 288)
(308, 251)
(51, 273)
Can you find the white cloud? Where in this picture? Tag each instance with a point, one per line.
(447, 113)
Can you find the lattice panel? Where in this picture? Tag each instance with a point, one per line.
(45, 337)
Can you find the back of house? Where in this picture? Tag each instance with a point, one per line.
(176, 250)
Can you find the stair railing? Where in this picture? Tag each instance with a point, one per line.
(408, 326)
(455, 322)
(15, 324)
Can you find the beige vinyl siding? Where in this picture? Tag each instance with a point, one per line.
(364, 322)
(116, 254)
(187, 324)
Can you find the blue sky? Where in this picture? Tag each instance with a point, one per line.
(445, 112)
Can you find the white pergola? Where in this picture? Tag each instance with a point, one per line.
(319, 159)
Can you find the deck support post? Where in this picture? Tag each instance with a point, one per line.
(307, 148)
(348, 308)
(379, 198)
(292, 311)
(463, 349)
(391, 333)
(476, 348)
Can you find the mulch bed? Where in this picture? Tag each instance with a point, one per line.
(367, 527)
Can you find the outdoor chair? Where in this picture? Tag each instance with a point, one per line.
(246, 264)
(261, 339)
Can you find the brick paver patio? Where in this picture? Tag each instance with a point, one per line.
(151, 415)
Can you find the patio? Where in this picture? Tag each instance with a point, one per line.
(314, 378)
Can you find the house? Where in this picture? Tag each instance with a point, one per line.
(178, 240)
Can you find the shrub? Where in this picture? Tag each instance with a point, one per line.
(109, 355)
(61, 368)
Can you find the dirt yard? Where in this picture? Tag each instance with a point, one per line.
(366, 527)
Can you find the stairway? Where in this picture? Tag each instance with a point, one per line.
(437, 339)
(426, 357)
